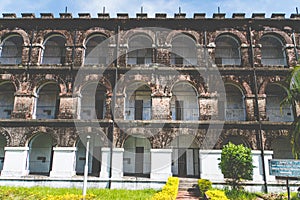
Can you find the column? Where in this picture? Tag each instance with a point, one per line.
(15, 161)
(161, 161)
(209, 165)
(257, 171)
(161, 107)
(105, 164)
(117, 163)
(64, 159)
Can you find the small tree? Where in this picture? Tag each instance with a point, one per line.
(292, 87)
(236, 164)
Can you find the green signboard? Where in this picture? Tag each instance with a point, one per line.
(284, 167)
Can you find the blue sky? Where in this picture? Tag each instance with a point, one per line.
(150, 6)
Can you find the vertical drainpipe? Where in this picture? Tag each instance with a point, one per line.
(30, 49)
(295, 46)
(112, 125)
(73, 49)
(260, 138)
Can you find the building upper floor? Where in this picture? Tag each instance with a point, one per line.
(148, 96)
(123, 41)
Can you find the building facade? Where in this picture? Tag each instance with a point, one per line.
(158, 96)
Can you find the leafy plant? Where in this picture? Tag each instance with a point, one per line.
(169, 191)
(215, 194)
(292, 87)
(204, 185)
(236, 164)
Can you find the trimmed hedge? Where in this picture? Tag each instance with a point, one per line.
(169, 191)
(204, 185)
(216, 195)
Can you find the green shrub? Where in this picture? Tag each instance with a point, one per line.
(204, 185)
(216, 195)
(169, 191)
(236, 164)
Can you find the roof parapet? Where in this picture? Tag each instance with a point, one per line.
(9, 15)
(238, 15)
(47, 15)
(84, 15)
(103, 15)
(122, 15)
(199, 15)
(179, 15)
(278, 16)
(258, 15)
(295, 16)
(28, 15)
(141, 15)
(219, 15)
(160, 15)
(65, 15)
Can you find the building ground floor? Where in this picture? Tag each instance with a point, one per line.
(56, 156)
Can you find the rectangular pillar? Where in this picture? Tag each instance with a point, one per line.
(209, 165)
(161, 162)
(63, 164)
(105, 162)
(117, 163)
(258, 170)
(15, 161)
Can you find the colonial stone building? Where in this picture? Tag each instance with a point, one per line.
(146, 90)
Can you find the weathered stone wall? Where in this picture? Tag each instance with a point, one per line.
(31, 75)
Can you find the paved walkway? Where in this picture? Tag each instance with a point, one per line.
(187, 194)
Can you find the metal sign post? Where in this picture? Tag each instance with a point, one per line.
(86, 167)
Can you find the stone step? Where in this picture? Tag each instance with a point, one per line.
(185, 184)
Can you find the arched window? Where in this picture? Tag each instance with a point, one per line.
(137, 156)
(47, 102)
(235, 104)
(275, 94)
(54, 50)
(138, 102)
(93, 102)
(40, 154)
(140, 50)
(185, 156)
(184, 102)
(3, 144)
(7, 91)
(272, 51)
(94, 166)
(11, 50)
(184, 51)
(227, 51)
(96, 51)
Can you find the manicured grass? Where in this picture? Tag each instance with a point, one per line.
(45, 193)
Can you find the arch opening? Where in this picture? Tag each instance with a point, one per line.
(137, 156)
(227, 51)
(7, 99)
(138, 102)
(47, 106)
(40, 154)
(185, 156)
(54, 50)
(184, 102)
(11, 50)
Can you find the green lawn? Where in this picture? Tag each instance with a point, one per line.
(45, 193)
